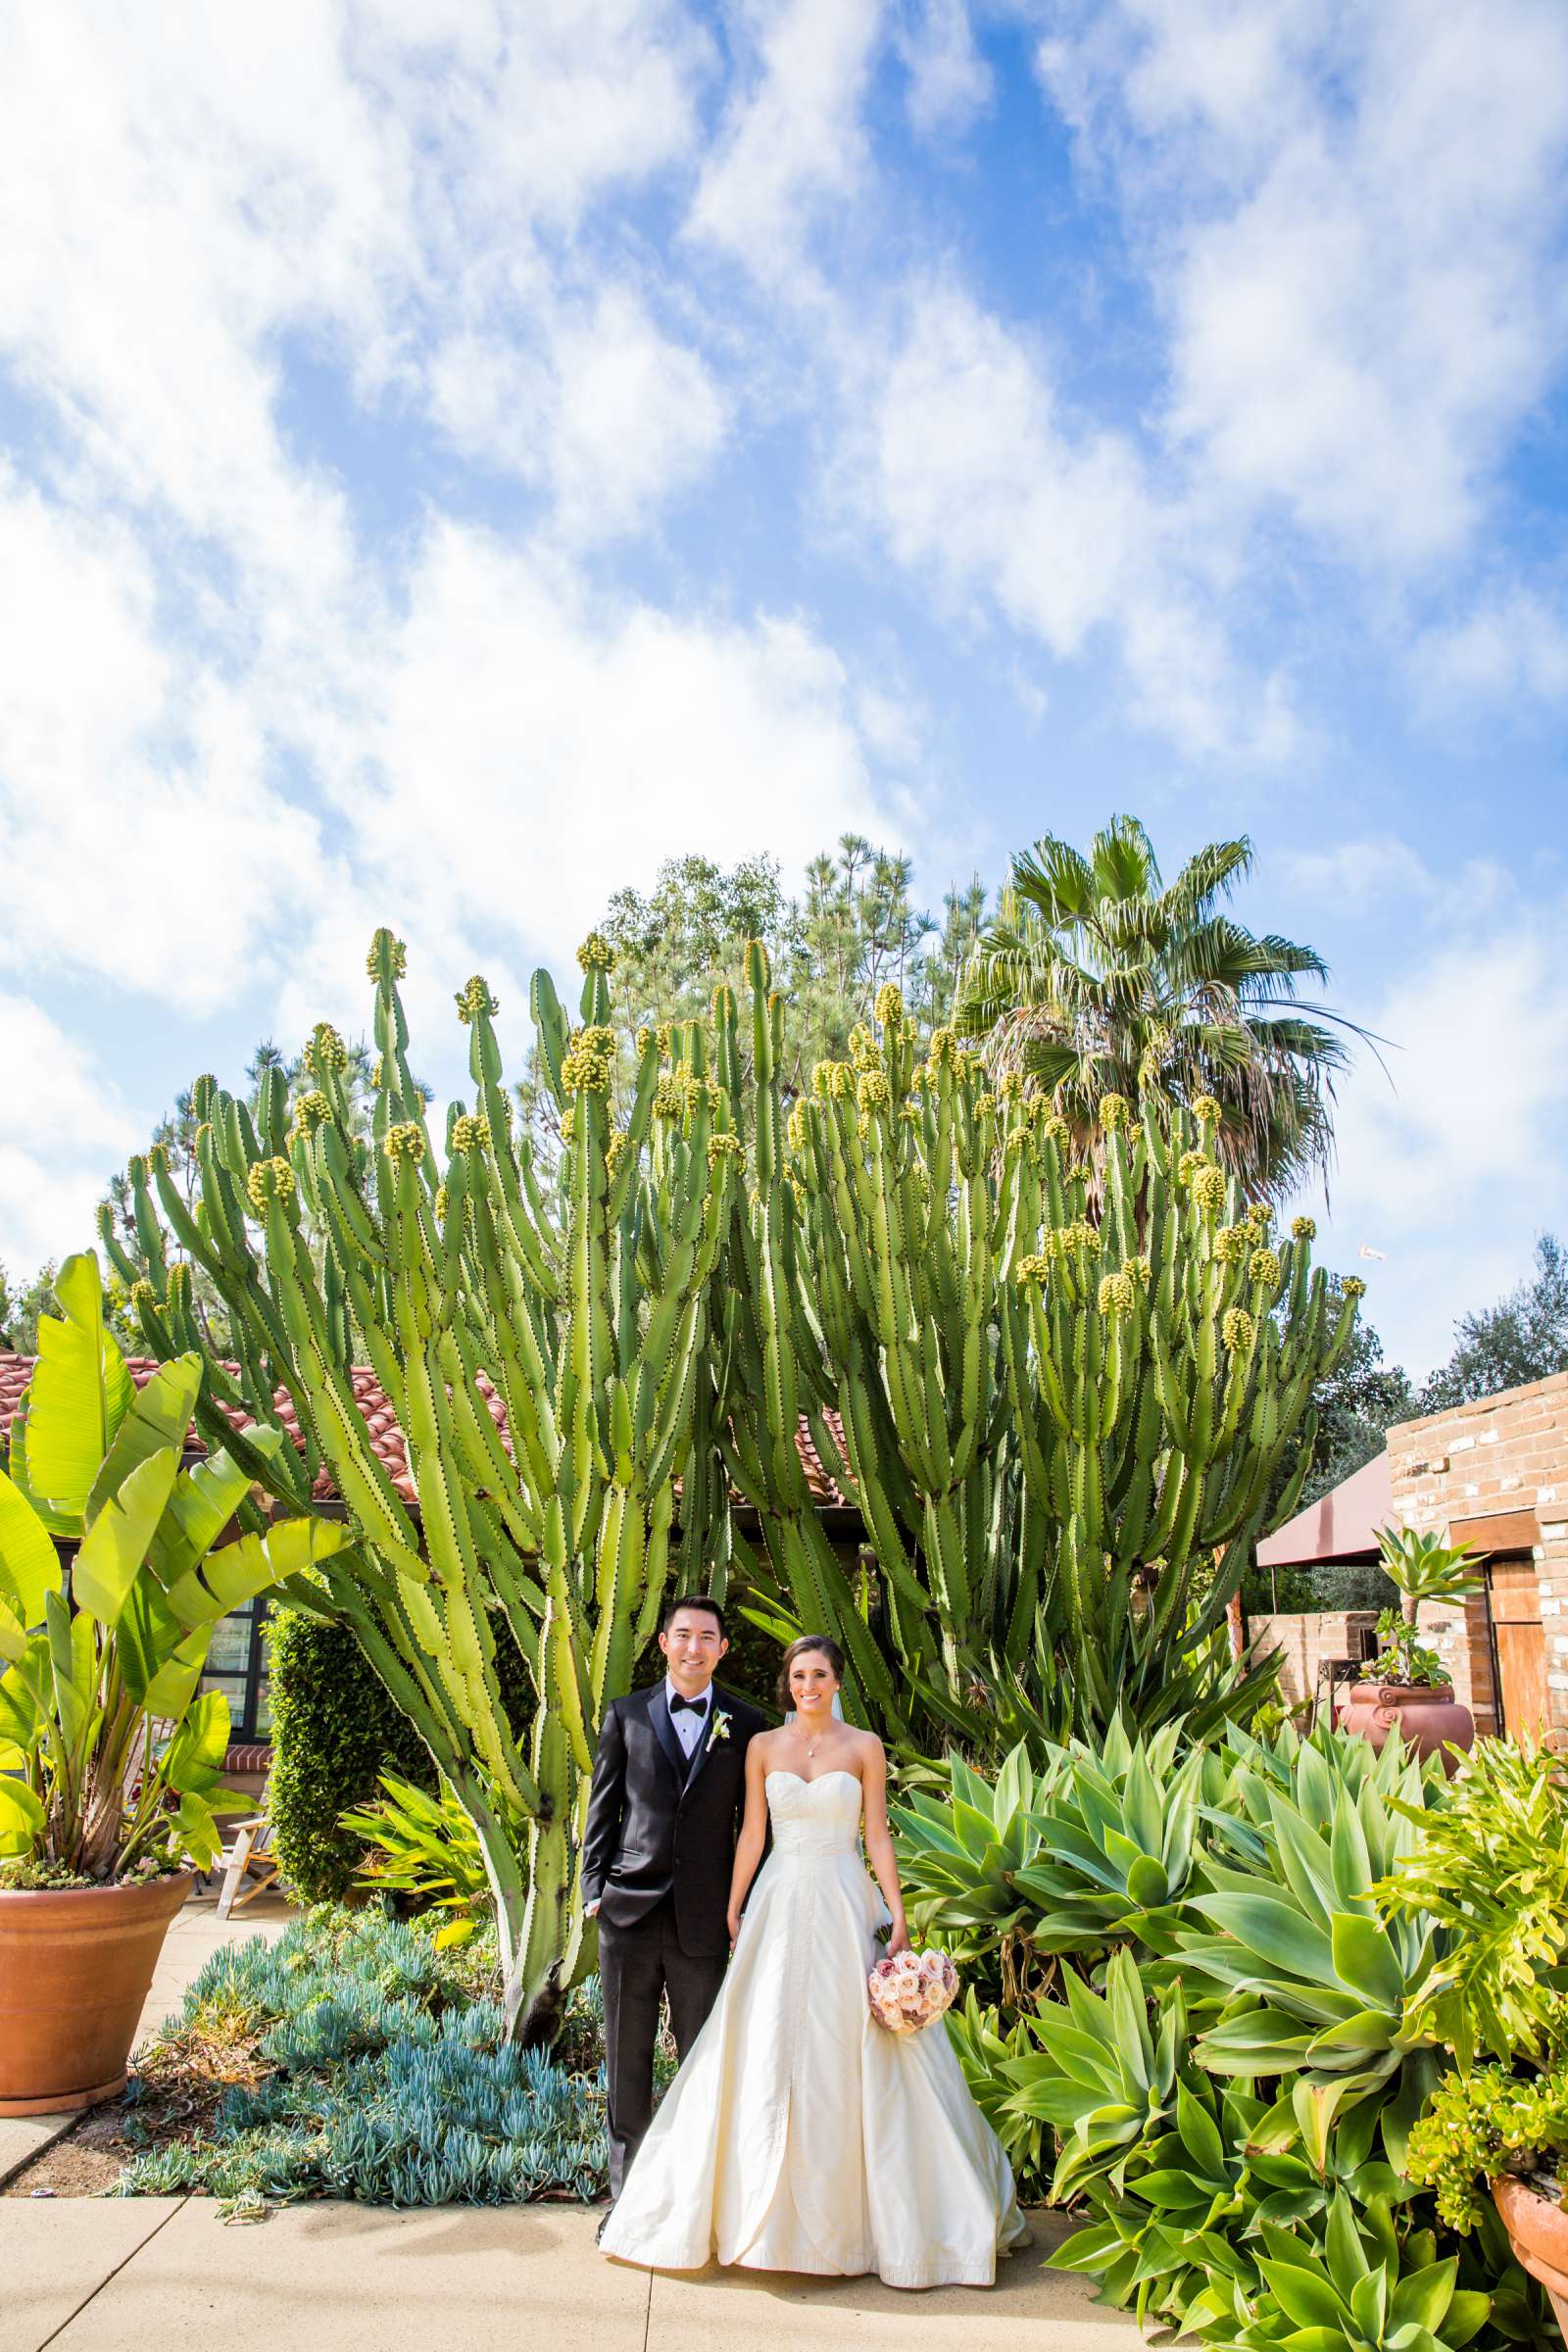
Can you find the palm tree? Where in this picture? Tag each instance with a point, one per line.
(1096, 978)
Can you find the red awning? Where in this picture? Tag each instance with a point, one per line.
(1342, 1525)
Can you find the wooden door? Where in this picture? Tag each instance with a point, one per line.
(1524, 1700)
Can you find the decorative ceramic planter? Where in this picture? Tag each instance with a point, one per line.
(1431, 1721)
(1537, 2232)
(76, 1966)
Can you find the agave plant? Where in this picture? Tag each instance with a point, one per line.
(1359, 2288)
(111, 1762)
(1423, 1568)
(1316, 1982)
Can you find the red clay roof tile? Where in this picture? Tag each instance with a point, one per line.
(381, 1424)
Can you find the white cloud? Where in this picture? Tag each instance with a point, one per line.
(1510, 649)
(950, 83)
(793, 143)
(1454, 1167)
(65, 1125)
(611, 418)
(1351, 221)
(986, 484)
(535, 745)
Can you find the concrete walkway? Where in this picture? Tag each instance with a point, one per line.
(102, 2275)
(112, 2276)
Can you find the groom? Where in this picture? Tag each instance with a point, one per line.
(663, 1813)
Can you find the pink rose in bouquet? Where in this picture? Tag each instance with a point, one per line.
(911, 1992)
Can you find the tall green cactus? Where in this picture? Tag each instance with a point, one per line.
(1066, 1387)
(572, 1302)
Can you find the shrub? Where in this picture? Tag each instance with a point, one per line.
(1204, 2027)
(334, 1731)
(421, 1847)
(377, 2072)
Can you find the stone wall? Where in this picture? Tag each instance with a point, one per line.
(1304, 1642)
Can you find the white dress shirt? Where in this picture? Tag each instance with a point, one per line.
(688, 1723)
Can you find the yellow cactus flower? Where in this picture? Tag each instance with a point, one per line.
(470, 1133)
(1354, 1287)
(405, 1142)
(1117, 1293)
(1305, 1228)
(596, 954)
(1208, 1190)
(1010, 1085)
(1235, 1330)
(1205, 1110)
(1264, 1266)
(269, 1180)
(889, 1007)
(396, 953)
(441, 1203)
(326, 1051)
(475, 999)
(1031, 1269)
(726, 1147)
(1115, 1112)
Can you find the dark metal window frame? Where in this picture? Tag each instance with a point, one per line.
(244, 1689)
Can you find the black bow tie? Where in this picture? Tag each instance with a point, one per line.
(698, 1706)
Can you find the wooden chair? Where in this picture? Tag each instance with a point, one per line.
(249, 1864)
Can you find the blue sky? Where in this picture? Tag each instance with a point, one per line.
(454, 455)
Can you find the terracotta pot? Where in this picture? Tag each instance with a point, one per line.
(1430, 1721)
(75, 1969)
(1537, 2232)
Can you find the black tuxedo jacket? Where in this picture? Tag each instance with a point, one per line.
(656, 1826)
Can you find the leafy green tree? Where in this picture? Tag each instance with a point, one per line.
(854, 928)
(1523, 1338)
(1356, 1405)
(1099, 977)
(21, 1304)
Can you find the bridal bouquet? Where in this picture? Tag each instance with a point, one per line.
(912, 1990)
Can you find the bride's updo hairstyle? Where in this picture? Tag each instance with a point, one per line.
(798, 1650)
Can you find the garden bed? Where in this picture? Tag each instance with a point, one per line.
(350, 2059)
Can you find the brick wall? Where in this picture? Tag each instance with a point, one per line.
(1496, 1473)
(1304, 1642)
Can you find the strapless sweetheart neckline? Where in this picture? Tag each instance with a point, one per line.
(781, 1772)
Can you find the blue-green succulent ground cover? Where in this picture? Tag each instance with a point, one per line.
(354, 2058)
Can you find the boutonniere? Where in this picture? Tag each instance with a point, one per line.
(720, 1730)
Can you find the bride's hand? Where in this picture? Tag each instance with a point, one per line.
(734, 1925)
(899, 1940)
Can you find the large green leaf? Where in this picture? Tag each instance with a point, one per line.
(21, 1816)
(78, 1396)
(1365, 1960)
(1276, 1931)
(205, 1499)
(29, 1565)
(116, 1544)
(228, 1579)
(157, 1423)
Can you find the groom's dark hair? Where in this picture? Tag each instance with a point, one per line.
(695, 1600)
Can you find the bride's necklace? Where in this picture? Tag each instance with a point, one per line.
(810, 1746)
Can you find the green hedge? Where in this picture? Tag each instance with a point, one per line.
(334, 1731)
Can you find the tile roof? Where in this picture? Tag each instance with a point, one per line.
(381, 1423)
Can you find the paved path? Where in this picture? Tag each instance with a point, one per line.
(89, 2274)
(111, 2277)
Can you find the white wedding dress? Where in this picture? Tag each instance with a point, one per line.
(800, 2136)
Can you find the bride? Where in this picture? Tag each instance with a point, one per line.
(801, 2136)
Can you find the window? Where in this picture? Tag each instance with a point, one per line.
(237, 1665)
